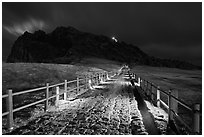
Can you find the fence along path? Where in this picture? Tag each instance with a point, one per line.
(95, 79)
(88, 82)
(172, 105)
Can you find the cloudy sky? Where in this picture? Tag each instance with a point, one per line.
(166, 30)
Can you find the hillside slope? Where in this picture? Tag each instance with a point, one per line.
(22, 76)
(66, 45)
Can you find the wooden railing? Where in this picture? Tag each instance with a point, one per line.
(95, 80)
(172, 105)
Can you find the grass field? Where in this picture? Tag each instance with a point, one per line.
(187, 82)
(21, 76)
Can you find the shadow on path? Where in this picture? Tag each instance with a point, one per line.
(148, 118)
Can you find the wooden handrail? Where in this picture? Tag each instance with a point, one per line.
(182, 121)
(71, 81)
(59, 84)
(5, 113)
(10, 94)
(5, 95)
(164, 104)
(182, 103)
(166, 93)
(173, 106)
(28, 105)
(28, 91)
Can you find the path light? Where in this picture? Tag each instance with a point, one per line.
(113, 38)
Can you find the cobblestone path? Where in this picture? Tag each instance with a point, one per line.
(109, 109)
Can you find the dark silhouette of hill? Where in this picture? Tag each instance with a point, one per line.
(67, 45)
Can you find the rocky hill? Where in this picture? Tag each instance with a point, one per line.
(68, 45)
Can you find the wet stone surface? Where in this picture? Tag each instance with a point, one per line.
(113, 111)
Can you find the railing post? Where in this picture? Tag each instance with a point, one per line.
(101, 77)
(105, 76)
(57, 97)
(93, 81)
(147, 90)
(139, 81)
(90, 84)
(150, 90)
(90, 78)
(97, 82)
(145, 87)
(96, 78)
(10, 109)
(169, 104)
(144, 84)
(77, 85)
(196, 119)
(65, 89)
(86, 82)
(46, 96)
(174, 103)
(152, 93)
(158, 97)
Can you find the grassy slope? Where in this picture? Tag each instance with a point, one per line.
(21, 76)
(187, 82)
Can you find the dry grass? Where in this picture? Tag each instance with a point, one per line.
(187, 82)
(21, 76)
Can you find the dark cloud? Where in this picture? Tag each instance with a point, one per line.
(171, 25)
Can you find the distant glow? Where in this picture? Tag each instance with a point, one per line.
(19, 28)
(113, 38)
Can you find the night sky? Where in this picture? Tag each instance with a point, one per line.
(166, 30)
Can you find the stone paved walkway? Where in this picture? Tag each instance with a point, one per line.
(109, 109)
